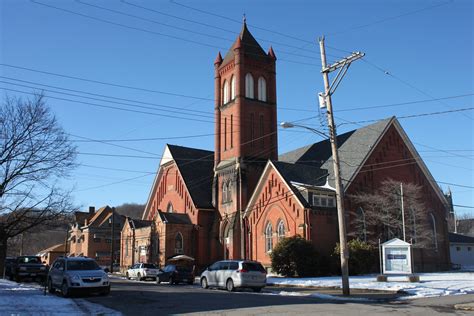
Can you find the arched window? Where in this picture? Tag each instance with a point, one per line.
(178, 243)
(249, 86)
(262, 89)
(169, 208)
(268, 237)
(280, 229)
(232, 88)
(224, 192)
(362, 224)
(225, 92)
(433, 229)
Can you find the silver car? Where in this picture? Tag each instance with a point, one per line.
(232, 274)
(77, 273)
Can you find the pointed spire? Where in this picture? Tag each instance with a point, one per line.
(245, 19)
(238, 43)
(218, 59)
(271, 53)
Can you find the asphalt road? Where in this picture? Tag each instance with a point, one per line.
(148, 298)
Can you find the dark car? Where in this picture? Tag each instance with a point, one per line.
(175, 274)
(9, 263)
(28, 267)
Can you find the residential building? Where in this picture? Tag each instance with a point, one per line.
(137, 243)
(91, 235)
(50, 254)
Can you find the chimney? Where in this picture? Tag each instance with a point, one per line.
(91, 210)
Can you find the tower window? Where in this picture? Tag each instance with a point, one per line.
(249, 86)
(225, 92)
(262, 89)
(232, 88)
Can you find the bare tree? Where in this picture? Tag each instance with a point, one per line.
(35, 155)
(379, 214)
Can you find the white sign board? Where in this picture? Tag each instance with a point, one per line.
(396, 257)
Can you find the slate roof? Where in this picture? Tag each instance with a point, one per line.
(249, 43)
(353, 147)
(197, 168)
(140, 223)
(457, 238)
(175, 218)
(297, 173)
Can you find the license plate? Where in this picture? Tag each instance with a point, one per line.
(33, 274)
(185, 280)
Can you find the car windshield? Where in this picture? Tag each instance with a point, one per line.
(82, 265)
(253, 266)
(149, 266)
(29, 260)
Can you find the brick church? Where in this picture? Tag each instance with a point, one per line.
(241, 199)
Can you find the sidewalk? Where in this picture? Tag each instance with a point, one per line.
(29, 299)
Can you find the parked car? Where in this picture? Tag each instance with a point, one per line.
(232, 274)
(175, 274)
(28, 267)
(142, 271)
(9, 265)
(73, 274)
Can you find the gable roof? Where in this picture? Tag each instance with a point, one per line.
(175, 218)
(458, 238)
(248, 42)
(293, 173)
(139, 223)
(354, 147)
(197, 169)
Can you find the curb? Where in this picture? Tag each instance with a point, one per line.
(465, 307)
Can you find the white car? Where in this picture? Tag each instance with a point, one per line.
(231, 274)
(142, 271)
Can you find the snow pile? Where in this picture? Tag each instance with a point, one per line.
(430, 285)
(319, 295)
(29, 299)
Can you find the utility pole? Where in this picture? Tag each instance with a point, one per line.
(329, 89)
(403, 212)
(112, 241)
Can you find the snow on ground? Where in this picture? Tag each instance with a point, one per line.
(430, 285)
(29, 299)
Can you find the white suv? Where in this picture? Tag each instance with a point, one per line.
(77, 273)
(231, 274)
(142, 271)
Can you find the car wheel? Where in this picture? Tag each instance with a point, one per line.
(204, 284)
(128, 276)
(65, 289)
(230, 285)
(139, 277)
(257, 289)
(50, 287)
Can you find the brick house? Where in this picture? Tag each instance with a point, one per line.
(137, 243)
(90, 234)
(239, 200)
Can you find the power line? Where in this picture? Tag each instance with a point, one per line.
(103, 82)
(389, 18)
(386, 72)
(155, 33)
(108, 96)
(189, 30)
(111, 107)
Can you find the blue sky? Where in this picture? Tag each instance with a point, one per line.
(425, 46)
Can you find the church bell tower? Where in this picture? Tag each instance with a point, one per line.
(245, 132)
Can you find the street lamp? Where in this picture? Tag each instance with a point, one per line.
(344, 254)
